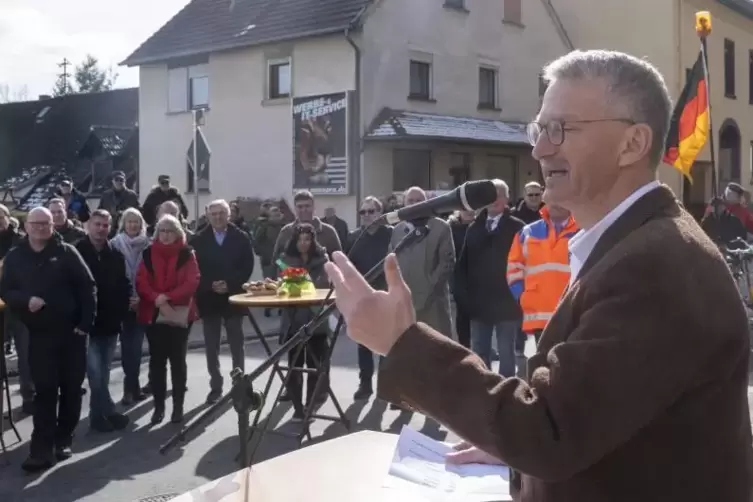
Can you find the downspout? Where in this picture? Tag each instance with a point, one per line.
(561, 31)
(354, 146)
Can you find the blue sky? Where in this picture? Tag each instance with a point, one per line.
(35, 35)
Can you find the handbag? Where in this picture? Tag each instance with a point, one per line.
(173, 316)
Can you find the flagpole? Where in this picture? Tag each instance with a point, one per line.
(703, 29)
(195, 156)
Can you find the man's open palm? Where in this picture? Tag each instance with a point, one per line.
(375, 319)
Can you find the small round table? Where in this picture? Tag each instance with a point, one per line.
(317, 299)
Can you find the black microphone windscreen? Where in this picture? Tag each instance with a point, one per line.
(480, 194)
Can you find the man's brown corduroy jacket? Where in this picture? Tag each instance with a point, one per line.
(639, 390)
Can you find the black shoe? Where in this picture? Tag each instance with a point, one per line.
(35, 464)
(27, 407)
(213, 396)
(177, 415)
(298, 416)
(364, 392)
(159, 414)
(101, 424)
(147, 389)
(128, 399)
(285, 397)
(139, 396)
(83, 391)
(118, 421)
(63, 453)
(394, 406)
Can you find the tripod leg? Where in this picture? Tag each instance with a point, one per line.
(10, 414)
(263, 340)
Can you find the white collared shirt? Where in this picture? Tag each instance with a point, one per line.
(582, 244)
(494, 222)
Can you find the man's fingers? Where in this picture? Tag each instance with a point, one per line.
(352, 277)
(463, 445)
(334, 274)
(468, 456)
(395, 282)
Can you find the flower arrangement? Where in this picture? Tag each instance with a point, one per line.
(296, 281)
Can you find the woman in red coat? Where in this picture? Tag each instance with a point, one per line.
(166, 281)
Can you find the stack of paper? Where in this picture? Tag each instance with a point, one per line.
(418, 472)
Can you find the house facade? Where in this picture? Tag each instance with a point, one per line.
(354, 98)
(664, 33)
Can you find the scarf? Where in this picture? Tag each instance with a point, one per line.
(131, 248)
(164, 261)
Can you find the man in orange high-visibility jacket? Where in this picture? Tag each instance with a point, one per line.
(538, 267)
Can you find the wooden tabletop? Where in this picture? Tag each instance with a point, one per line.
(274, 301)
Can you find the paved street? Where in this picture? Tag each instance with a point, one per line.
(126, 467)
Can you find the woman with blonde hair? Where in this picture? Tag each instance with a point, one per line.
(166, 281)
(131, 240)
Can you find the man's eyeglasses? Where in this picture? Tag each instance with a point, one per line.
(364, 212)
(533, 195)
(555, 129)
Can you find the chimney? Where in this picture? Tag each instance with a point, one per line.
(43, 97)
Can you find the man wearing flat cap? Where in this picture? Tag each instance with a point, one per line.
(162, 192)
(117, 199)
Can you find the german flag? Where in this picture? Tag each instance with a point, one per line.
(690, 122)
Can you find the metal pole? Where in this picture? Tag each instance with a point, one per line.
(714, 175)
(195, 169)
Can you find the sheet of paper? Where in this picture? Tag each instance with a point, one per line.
(419, 470)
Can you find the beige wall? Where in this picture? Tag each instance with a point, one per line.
(251, 139)
(663, 31)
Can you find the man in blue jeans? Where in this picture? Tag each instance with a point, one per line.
(481, 282)
(107, 266)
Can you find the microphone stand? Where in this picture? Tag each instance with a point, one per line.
(244, 398)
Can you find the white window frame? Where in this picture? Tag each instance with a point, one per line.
(179, 88)
(279, 62)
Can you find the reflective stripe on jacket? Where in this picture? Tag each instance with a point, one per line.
(538, 269)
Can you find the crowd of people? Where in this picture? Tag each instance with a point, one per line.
(139, 272)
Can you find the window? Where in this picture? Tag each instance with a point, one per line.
(188, 88)
(487, 88)
(513, 11)
(411, 168)
(505, 168)
(420, 80)
(750, 77)
(729, 68)
(460, 168)
(455, 4)
(279, 79)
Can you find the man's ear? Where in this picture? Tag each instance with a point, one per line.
(635, 145)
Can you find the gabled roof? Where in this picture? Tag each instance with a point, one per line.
(50, 132)
(393, 125)
(205, 26)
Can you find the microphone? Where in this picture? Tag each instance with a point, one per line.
(469, 196)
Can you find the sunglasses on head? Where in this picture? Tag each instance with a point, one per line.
(366, 211)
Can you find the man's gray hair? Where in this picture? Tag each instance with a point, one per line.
(636, 85)
(169, 207)
(219, 203)
(501, 186)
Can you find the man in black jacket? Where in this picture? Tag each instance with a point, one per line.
(226, 261)
(75, 202)
(366, 247)
(46, 283)
(481, 282)
(118, 199)
(163, 192)
(69, 232)
(107, 266)
(528, 209)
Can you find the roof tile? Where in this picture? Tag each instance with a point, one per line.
(205, 26)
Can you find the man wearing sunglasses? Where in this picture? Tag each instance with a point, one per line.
(528, 209)
(370, 248)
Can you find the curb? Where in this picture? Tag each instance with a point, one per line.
(192, 345)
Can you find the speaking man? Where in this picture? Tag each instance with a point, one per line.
(639, 389)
